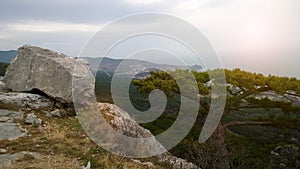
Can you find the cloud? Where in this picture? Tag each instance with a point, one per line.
(201, 4)
(65, 25)
(141, 2)
(190, 5)
(45, 26)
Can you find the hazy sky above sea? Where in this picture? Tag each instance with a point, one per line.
(255, 35)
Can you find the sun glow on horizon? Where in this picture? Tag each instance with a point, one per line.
(256, 35)
(255, 41)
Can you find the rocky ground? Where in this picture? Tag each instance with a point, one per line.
(41, 138)
(36, 133)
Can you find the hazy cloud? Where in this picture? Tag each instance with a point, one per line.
(43, 26)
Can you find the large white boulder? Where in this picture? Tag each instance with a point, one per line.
(45, 70)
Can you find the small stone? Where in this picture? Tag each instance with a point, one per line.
(136, 161)
(282, 165)
(149, 165)
(49, 115)
(32, 119)
(3, 151)
(63, 112)
(294, 139)
(38, 121)
(55, 113)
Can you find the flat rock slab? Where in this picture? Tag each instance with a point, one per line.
(16, 101)
(8, 115)
(10, 131)
(6, 159)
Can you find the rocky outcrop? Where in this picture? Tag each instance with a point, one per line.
(122, 122)
(294, 98)
(45, 70)
(273, 96)
(285, 157)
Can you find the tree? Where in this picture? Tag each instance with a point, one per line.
(3, 67)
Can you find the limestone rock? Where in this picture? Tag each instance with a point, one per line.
(16, 101)
(7, 115)
(3, 87)
(8, 129)
(11, 131)
(175, 162)
(122, 122)
(4, 119)
(55, 113)
(33, 119)
(6, 159)
(45, 70)
(3, 150)
(148, 165)
(295, 99)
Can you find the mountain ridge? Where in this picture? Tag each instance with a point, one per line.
(7, 56)
(132, 67)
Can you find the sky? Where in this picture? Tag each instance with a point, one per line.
(254, 35)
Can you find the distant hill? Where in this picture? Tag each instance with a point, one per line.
(7, 56)
(132, 66)
(109, 65)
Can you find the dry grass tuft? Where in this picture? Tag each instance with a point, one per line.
(53, 162)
